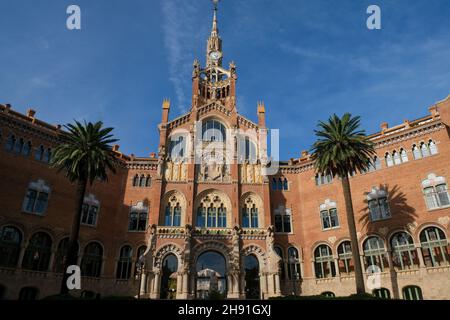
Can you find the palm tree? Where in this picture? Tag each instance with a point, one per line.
(342, 149)
(84, 155)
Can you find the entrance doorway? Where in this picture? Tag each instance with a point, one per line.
(252, 285)
(211, 280)
(169, 277)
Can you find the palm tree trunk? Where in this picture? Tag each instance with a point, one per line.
(72, 253)
(359, 277)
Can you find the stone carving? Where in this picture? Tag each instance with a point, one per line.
(213, 171)
(251, 173)
(175, 171)
(332, 240)
(196, 69)
(412, 226)
(148, 256)
(445, 221)
(162, 252)
(273, 258)
(383, 230)
(233, 70)
(187, 247)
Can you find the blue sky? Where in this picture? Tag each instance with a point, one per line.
(305, 59)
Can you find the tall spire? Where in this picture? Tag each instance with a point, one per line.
(214, 47)
(215, 30)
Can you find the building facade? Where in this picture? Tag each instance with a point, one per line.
(205, 214)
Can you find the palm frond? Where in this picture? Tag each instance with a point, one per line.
(342, 147)
(85, 152)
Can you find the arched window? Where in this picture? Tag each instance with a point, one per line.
(396, 156)
(280, 184)
(213, 130)
(250, 214)
(375, 253)
(19, 146)
(91, 263)
(323, 179)
(404, 254)
(136, 181)
(10, 143)
(148, 181)
(412, 293)
(47, 155)
(90, 210)
(324, 262)
(293, 264)
(328, 215)
(172, 214)
(212, 212)
(28, 294)
(10, 241)
(274, 184)
(424, 149)
(404, 155)
(378, 203)
(142, 181)
(36, 198)
(177, 147)
(26, 150)
(124, 263)
(285, 184)
(435, 249)
(345, 262)
(433, 148)
(389, 161)
(139, 259)
(279, 252)
(247, 150)
(377, 163)
(37, 255)
(417, 154)
(138, 217)
(39, 154)
(382, 293)
(283, 219)
(61, 255)
(436, 192)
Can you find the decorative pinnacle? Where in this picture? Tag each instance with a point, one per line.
(166, 103)
(261, 107)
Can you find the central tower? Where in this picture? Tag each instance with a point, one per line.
(213, 83)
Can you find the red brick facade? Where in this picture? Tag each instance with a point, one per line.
(415, 189)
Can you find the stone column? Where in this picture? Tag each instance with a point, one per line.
(143, 284)
(179, 283)
(185, 289)
(156, 286)
(21, 254)
(193, 280)
(263, 285)
(51, 261)
(336, 267)
(420, 257)
(277, 285)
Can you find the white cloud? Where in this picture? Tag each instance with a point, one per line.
(181, 32)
